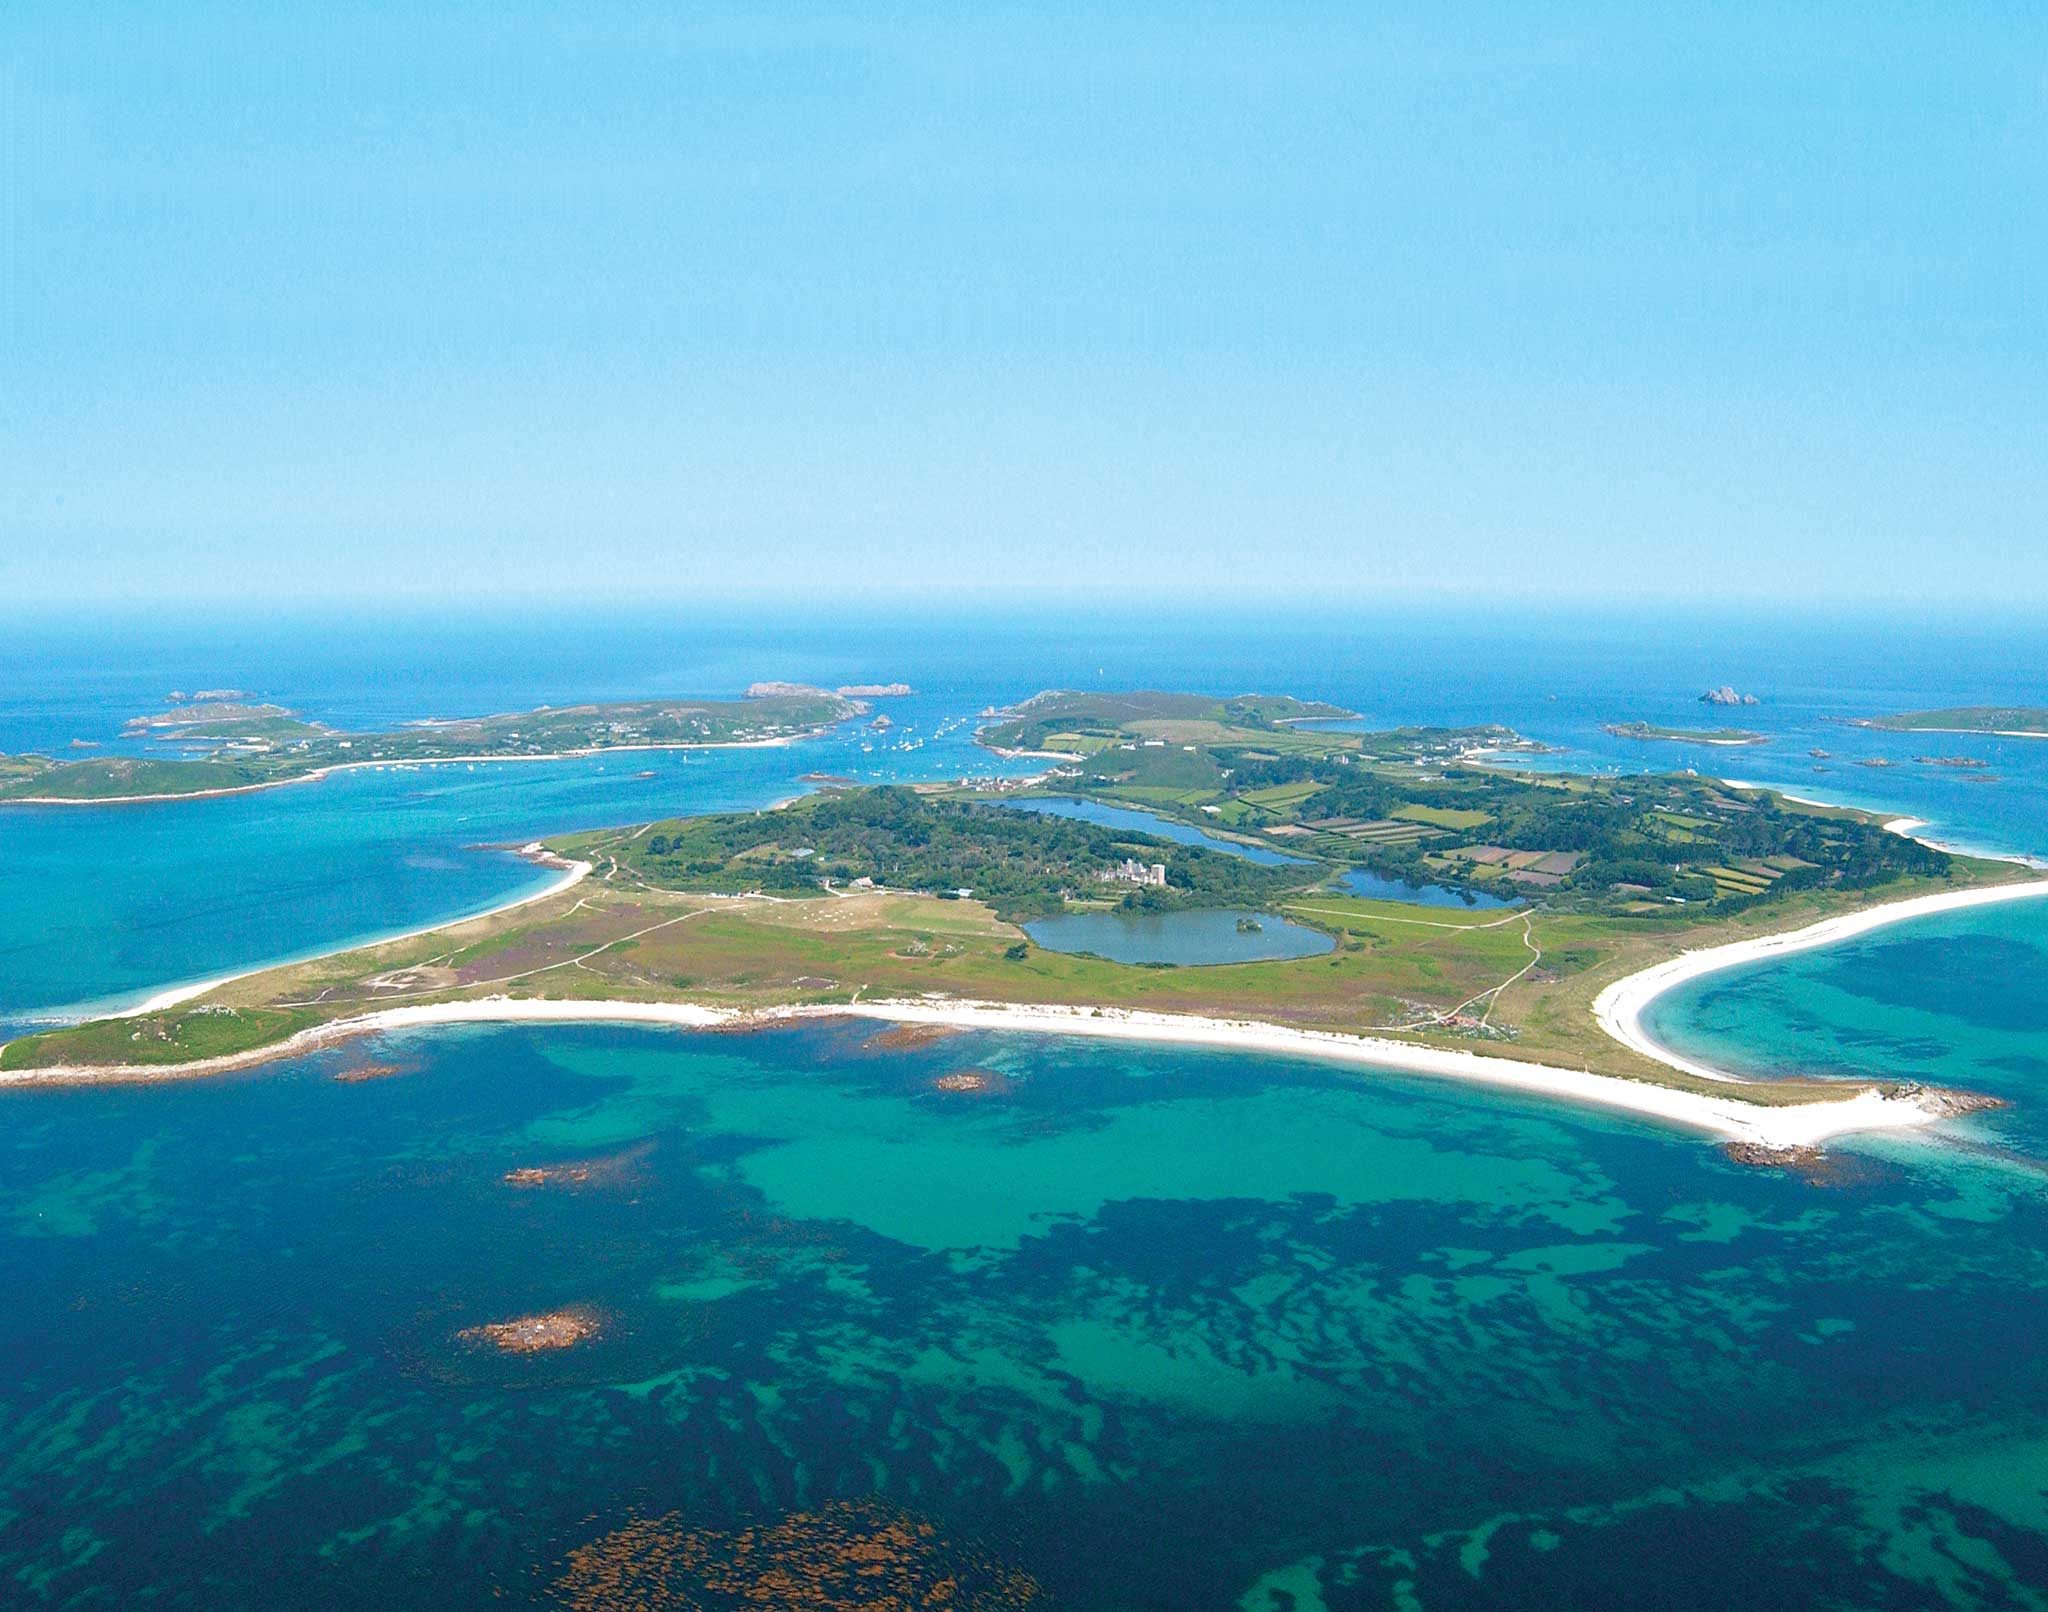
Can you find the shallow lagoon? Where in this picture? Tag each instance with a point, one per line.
(105, 904)
(1151, 1328)
(1184, 938)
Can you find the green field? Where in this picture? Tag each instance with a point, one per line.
(1281, 796)
(1419, 803)
(1444, 816)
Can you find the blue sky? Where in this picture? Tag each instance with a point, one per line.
(1542, 301)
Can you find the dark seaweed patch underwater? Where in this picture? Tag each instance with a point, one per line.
(1107, 1328)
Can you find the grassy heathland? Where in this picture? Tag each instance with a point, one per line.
(1519, 983)
(874, 893)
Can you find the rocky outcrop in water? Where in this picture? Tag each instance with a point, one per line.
(1726, 695)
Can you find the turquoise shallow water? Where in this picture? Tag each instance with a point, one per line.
(1956, 1000)
(1158, 1329)
(1154, 1328)
(101, 904)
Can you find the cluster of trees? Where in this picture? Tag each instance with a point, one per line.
(1611, 822)
(1021, 863)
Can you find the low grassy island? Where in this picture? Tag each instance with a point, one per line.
(905, 904)
(1075, 724)
(1651, 733)
(230, 745)
(2011, 721)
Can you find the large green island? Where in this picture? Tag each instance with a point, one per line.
(906, 904)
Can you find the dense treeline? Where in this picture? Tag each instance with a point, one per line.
(1020, 863)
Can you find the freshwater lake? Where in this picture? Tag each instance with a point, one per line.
(1137, 820)
(1378, 887)
(1185, 938)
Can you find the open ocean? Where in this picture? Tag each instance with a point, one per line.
(1135, 1328)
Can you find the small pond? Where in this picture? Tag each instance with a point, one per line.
(1144, 822)
(1377, 886)
(1188, 938)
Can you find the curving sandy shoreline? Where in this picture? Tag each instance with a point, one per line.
(1731, 1118)
(1618, 1010)
(572, 873)
(1902, 826)
(1620, 1007)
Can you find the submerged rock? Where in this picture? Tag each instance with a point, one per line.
(907, 1037)
(536, 1334)
(1815, 1166)
(373, 1071)
(843, 1555)
(973, 1083)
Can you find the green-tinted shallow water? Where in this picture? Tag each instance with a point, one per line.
(1153, 1328)
(1958, 1000)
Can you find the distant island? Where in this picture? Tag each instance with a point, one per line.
(1649, 732)
(2005, 721)
(1071, 724)
(875, 691)
(1725, 695)
(911, 904)
(232, 745)
(179, 696)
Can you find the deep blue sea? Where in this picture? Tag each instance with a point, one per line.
(1108, 1328)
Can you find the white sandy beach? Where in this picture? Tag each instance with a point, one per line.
(1620, 1007)
(1731, 1118)
(1904, 826)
